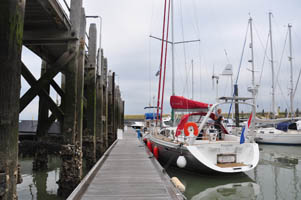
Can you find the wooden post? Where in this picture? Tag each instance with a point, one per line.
(104, 76)
(89, 140)
(80, 84)
(111, 109)
(99, 131)
(11, 36)
(122, 119)
(41, 155)
(70, 174)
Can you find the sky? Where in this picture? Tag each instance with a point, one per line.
(221, 28)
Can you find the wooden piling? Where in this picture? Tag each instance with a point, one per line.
(89, 140)
(80, 83)
(105, 102)
(11, 35)
(99, 126)
(70, 174)
(41, 156)
(111, 107)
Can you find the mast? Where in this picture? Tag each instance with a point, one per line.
(172, 48)
(272, 66)
(253, 68)
(172, 59)
(290, 58)
(192, 83)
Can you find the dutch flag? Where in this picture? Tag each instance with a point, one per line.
(245, 129)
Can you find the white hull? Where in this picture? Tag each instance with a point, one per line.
(210, 156)
(275, 136)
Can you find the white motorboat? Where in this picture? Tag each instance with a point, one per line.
(137, 125)
(196, 147)
(290, 135)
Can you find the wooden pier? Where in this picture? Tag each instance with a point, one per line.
(127, 171)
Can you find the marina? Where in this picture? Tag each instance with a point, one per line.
(165, 99)
(277, 176)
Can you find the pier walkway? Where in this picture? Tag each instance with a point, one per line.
(126, 172)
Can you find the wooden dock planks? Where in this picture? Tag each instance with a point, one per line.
(129, 173)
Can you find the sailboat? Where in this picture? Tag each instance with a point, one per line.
(194, 144)
(288, 132)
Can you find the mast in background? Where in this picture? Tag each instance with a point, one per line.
(290, 58)
(272, 66)
(253, 88)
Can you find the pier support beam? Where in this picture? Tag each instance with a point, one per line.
(89, 140)
(11, 35)
(111, 102)
(104, 77)
(71, 170)
(41, 156)
(99, 126)
(80, 83)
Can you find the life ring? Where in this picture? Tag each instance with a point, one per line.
(195, 128)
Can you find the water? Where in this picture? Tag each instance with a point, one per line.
(277, 176)
(39, 185)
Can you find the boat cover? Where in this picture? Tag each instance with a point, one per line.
(151, 116)
(283, 126)
(182, 103)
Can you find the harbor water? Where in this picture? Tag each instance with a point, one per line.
(39, 185)
(277, 176)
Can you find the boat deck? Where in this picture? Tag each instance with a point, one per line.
(226, 165)
(129, 172)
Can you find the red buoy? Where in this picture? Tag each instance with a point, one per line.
(149, 145)
(156, 152)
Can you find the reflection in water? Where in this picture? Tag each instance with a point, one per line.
(246, 190)
(278, 172)
(230, 186)
(39, 185)
(277, 176)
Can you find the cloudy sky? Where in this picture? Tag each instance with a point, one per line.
(221, 28)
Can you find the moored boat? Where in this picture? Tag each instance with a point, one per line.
(287, 134)
(194, 144)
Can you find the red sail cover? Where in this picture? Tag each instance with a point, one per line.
(177, 102)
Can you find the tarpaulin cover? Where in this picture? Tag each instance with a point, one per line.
(177, 102)
(283, 126)
(151, 116)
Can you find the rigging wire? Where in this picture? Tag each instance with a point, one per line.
(281, 58)
(239, 67)
(150, 56)
(149, 73)
(184, 46)
(263, 62)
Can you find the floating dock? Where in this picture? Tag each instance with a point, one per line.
(126, 171)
